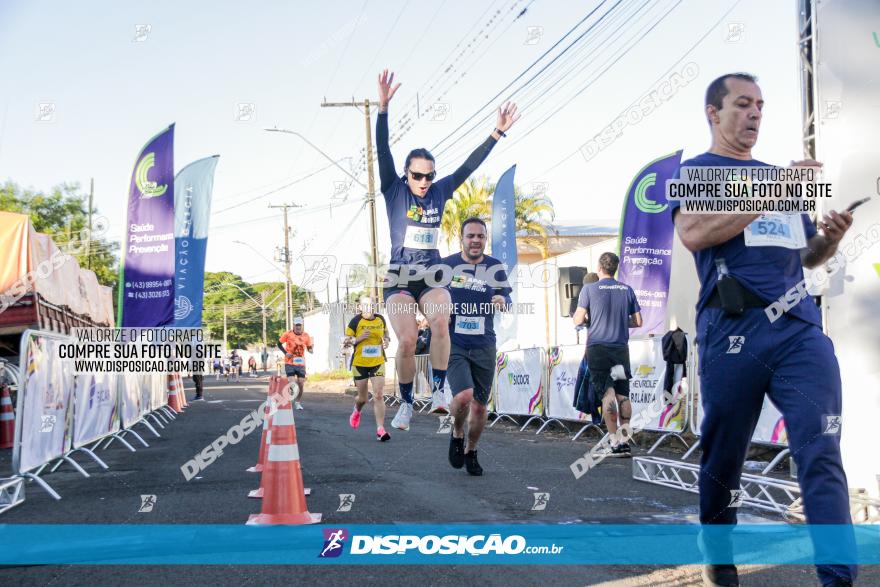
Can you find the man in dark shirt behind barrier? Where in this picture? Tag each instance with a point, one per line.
(745, 262)
(415, 203)
(612, 309)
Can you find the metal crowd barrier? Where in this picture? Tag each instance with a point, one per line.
(46, 399)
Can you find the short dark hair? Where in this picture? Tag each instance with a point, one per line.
(472, 220)
(609, 263)
(591, 277)
(418, 154)
(718, 88)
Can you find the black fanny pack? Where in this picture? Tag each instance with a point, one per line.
(733, 298)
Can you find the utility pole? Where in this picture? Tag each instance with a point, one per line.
(225, 345)
(263, 308)
(288, 318)
(89, 241)
(371, 187)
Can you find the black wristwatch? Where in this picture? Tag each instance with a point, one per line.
(499, 131)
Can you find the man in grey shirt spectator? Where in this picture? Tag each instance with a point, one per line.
(612, 309)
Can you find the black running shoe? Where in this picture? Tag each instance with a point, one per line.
(198, 398)
(621, 450)
(471, 464)
(720, 576)
(456, 452)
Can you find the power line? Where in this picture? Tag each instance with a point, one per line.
(278, 189)
(654, 83)
(593, 80)
(408, 115)
(306, 210)
(535, 93)
(491, 101)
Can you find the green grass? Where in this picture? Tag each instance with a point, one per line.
(328, 375)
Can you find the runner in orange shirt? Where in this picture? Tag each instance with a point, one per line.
(294, 344)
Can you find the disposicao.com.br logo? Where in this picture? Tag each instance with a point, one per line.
(480, 544)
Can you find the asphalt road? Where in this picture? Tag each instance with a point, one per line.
(406, 480)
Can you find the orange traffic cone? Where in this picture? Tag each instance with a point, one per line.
(183, 401)
(264, 447)
(7, 420)
(174, 395)
(264, 441)
(284, 500)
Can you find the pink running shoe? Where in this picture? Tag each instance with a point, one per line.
(381, 435)
(355, 419)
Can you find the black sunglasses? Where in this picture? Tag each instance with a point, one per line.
(420, 176)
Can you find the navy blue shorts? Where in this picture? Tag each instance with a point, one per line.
(416, 287)
(292, 371)
(471, 369)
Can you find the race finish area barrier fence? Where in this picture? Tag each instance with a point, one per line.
(43, 414)
(59, 413)
(650, 410)
(520, 381)
(563, 365)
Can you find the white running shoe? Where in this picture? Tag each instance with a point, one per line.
(299, 406)
(401, 420)
(438, 403)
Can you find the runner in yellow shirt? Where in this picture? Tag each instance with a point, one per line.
(369, 336)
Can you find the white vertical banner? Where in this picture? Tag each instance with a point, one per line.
(44, 417)
(146, 393)
(130, 397)
(564, 362)
(646, 388)
(158, 385)
(519, 382)
(95, 408)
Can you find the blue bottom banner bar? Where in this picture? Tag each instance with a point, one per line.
(423, 544)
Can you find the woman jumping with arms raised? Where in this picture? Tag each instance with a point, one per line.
(415, 204)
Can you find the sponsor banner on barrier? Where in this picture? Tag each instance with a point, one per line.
(95, 409)
(428, 544)
(564, 364)
(45, 418)
(771, 426)
(646, 388)
(158, 390)
(519, 382)
(130, 398)
(146, 391)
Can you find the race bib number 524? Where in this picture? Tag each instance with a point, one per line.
(776, 230)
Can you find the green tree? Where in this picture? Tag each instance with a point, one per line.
(244, 316)
(62, 213)
(533, 214)
(533, 218)
(472, 198)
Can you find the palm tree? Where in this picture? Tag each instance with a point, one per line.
(471, 199)
(533, 216)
